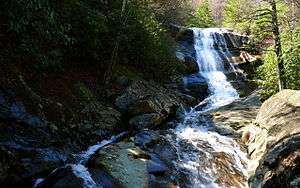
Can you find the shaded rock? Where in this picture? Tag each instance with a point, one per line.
(20, 165)
(196, 86)
(146, 121)
(244, 87)
(145, 139)
(124, 162)
(75, 176)
(143, 107)
(14, 110)
(189, 63)
(275, 150)
(185, 34)
(164, 100)
(101, 117)
(123, 80)
(156, 167)
(160, 182)
(105, 180)
(148, 104)
(250, 67)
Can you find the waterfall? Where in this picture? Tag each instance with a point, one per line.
(206, 157)
(211, 66)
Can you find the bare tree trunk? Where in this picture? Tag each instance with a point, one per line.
(114, 57)
(278, 50)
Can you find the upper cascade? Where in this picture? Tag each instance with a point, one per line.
(210, 57)
(213, 48)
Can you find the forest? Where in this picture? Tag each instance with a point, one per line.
(150, 93)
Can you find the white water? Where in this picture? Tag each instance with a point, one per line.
(211, 67)
(205, 156)
(79, 168)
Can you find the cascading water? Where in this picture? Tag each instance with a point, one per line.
(206, 157)
(211, 67)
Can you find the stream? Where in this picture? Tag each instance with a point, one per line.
(207, 158)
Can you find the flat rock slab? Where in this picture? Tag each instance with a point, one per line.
(238, 114)
(124, 162)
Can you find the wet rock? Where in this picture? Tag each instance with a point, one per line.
(146, 121)
(185, 34)
(70, 176)
(166, 151)
(146, 139)
(156, 167)
(124, 162)
(196, 86)
(238, 114)
(275, 149)
(20, 165)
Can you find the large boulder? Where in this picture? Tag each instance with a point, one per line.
(148, 104)
(146, 121)
(238, 115)
(275, 150)
(196, 86)
(124, 162)
(70, 176)
(99, 118)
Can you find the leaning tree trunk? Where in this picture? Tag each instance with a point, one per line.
(114, 57)
(278, 50)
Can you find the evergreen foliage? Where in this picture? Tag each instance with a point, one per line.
(255, 18)
(202, 18)
(56, 35)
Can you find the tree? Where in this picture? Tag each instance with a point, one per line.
(114, 56)
(202, 18)
(238, 14)
(280, 62)
(261, 19)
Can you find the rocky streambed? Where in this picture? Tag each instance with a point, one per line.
(191, 132)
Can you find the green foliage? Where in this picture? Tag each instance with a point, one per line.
(237, 14)
(202, 17)
(252, 17)
(268, 72)
(57, 35)
(291, 51)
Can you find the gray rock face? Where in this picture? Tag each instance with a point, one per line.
(101, 117)
(124, 162)
(148, 104)
(146, 121)
(276, 147)
(239, 114)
